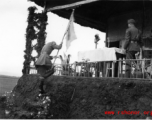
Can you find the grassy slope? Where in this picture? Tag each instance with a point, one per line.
(87, 98)
(7, 83)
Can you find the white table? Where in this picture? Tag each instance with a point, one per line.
(100, 55)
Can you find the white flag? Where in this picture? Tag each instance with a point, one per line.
(70, 33)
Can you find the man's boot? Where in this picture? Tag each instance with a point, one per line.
(41, 90)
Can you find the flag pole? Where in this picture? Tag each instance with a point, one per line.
(63, 38)
(58, 50)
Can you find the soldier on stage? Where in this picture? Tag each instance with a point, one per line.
(132, 44)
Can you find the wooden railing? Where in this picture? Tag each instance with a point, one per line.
(139, 69)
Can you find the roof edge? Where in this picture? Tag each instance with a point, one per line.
(73, 5)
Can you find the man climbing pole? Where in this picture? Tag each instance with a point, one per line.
(44, 65)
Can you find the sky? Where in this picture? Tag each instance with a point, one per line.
(13, 23)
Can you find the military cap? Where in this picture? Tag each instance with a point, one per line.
(131, 21)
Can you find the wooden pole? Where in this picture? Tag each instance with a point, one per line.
(64, 35)
(58, 50)
(96, 45)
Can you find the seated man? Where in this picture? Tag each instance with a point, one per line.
(43, 64)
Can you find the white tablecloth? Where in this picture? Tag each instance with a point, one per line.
(101, 54)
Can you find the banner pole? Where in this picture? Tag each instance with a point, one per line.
(64, 35)
(58, 50)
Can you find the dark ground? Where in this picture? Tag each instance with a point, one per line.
(83, 98)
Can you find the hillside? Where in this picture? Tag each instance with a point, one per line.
(80, 98)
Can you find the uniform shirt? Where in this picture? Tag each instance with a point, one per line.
(49, 47)
(44, 58)
(130, 35)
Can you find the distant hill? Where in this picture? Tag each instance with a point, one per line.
(8, 76)
(7, 83)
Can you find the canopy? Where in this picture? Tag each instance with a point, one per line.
(93, 13)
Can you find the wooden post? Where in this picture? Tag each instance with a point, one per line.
(95, 69)
(124, 66)
(75, 71)
(113, 69)
(119, 67)
(143, 69)
(96, 45)
(81, 70)
(107, 69)
(99, 69)
(108, 41)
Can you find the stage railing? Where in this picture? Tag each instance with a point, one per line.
(32, 70)
(139, 68)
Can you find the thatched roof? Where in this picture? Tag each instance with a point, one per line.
(93, 13)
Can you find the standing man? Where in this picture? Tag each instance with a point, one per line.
(44, 63)
(131, 45)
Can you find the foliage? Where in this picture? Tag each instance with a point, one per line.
(41, 35)
(41, 108)
(30, 35)
(39, 21)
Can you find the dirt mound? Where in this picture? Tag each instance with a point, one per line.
(82, 98)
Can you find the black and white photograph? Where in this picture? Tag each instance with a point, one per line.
(76, 59)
